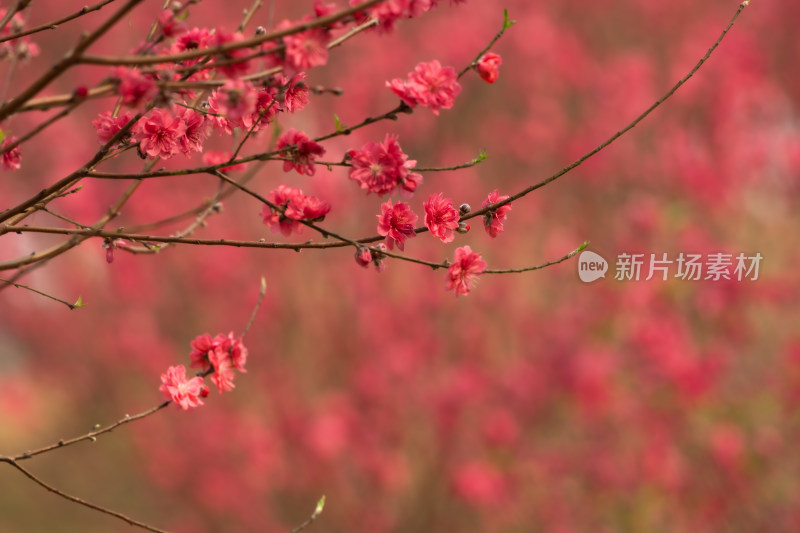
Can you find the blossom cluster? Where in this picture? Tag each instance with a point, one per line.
(223, 354)
(218, 356)
(442, 219)
(396, 222)
(166, 131)
(290, 207)
(429, 85)
(383, 167)
(300, 151)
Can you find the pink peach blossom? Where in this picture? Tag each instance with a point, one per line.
(184, 392)
(488, 67)
(441, 218)
(494, 219)
(466, 267)
(396, 223)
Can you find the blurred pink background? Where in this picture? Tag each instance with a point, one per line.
(536, 403)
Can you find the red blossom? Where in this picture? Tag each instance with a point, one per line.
(267, 107)
(223, 353)
(494, 219)
(133, 87)
(221, 37)
(466, 267)
(159, 134)
(253, 108)
(365, 256)
(295, 96)
(307, 49)
(238, 99)
(441, 218)
(200, 347)
(314, 209)
(184, 392)
(170, 27)
(296, 206)
(302, 151)
(193, 39)
(196, 129)
(223, 375)
(430, 85)
(396, 223)
(382, 167)
(11, 158)
(488, 67)
(321, 9)
(108, 126)
(389, 12)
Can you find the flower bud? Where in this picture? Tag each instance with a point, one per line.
(363, 256)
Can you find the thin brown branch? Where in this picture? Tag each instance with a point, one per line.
(19, 274)
(35, 131)
(538, 267)
(73, 241)
(91, 435)
(80, 501)
(72, 59)
(19, 6)
(262, 291)
(58, 188)
(197, 223)
(50, 296)
(248, 15)
(621, 132)
(47, 102)
(56, 23)
(317, 511)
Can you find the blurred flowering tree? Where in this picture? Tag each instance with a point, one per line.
(158, 159)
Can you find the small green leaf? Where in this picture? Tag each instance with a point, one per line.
(507, 23)
(2, 135)
(320, 506)
(483, 155)
(337, 123)
(263, 284)
(79, 303)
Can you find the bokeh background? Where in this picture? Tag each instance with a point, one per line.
(536, 403)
